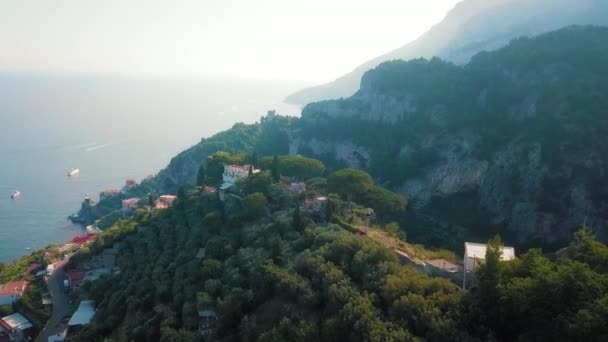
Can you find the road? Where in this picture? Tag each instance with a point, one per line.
(61, 301)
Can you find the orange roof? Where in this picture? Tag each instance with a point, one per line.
(13, 288)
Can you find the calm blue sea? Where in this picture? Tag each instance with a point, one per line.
(109, 128)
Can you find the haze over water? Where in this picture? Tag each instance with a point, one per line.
(111, 129)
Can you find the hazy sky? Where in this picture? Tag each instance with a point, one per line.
(309, 40)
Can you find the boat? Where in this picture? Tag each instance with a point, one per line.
(16, 194)
(73, 172)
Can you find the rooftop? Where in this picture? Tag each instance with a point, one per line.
(84, 314)
(444, 265)
(13, 288)
(82, 238)
(15, 321)
(478, 251)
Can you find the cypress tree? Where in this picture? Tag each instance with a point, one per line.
(328, 211)
(296, 221)
(200, 177)
(274, 169)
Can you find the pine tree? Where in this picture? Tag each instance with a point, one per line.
(150, 200)
(274, 169)
(200, 177)
(250, 170)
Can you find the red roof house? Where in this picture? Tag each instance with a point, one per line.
(10, 292)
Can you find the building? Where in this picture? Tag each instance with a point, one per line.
(165, 201)
(208, 189)
(108, 193)
(11, 292)
(297, 187)
(129, 183)
(319, 204)
(130, 203)
(83, 315)
(232, 173)
(475, 253)
(16, 326)
(443, 265)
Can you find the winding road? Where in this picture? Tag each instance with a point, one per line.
(61, 301)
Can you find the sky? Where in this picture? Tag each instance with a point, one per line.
(296, 40)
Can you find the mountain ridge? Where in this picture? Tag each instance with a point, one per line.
(470, 27)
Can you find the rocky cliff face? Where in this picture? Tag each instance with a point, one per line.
(520, 128)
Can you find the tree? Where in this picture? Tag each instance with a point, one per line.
(257, 182)
(296, 221)
(254, 204)
(250, 172)
(392, 229)
(254, 159)
(200, 176)
(383, 201)
(350, 183)
(151, 200)
(328, 210)
(274, 169)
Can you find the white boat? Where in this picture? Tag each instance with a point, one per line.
(73, 172)
(16, 194)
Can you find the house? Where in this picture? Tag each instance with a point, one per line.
(208, 189)
(15, 325)
(129, 183)
(207, 320)
(165, 201)
(319, 204)
(297, 187)
(475, 253)
(83, 315)
(442, 265)
(81, 239)
(232, 173)
(108, 193)
(130, 203)
(11, 292)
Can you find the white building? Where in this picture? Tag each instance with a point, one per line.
(15, 325)
(232, 173)
(11, 292)
(475, 254)
(84, 314)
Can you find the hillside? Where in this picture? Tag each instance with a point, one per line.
(236, 270)
(470, 27)
(509, 143)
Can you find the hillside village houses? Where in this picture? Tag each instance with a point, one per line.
(12, 291)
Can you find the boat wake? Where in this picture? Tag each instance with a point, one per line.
(96, 147)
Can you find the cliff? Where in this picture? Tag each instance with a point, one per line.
(518, 130)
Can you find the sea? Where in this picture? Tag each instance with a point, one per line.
(111, 129)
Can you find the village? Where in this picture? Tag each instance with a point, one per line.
(71, 309)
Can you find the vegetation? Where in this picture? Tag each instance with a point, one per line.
(271, 271)
(294, 166)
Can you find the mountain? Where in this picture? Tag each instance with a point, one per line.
(511, 142)
(470, 27)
